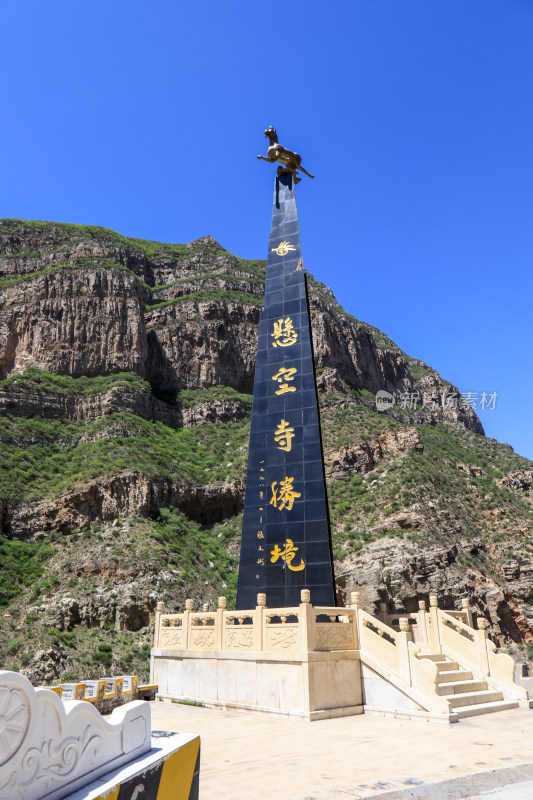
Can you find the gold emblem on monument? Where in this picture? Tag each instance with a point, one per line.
(283, 248)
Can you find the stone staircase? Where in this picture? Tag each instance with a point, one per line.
(466, 695)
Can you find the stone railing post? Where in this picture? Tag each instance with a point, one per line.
(434, 620)
(402, 643)
(159, 609)
(306, 622)
(481, 640)
(421, 621)
(383, 612)
(258, 619)
(354, 598)
(189, 608)
(220, 622)
(465, 603)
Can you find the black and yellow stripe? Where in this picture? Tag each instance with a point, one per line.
(174, 777)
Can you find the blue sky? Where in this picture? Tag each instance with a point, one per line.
(415, 116)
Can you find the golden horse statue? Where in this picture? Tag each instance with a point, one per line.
(289, 160)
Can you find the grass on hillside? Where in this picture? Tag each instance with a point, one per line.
(246, 298)
(45, 457)
(21, 565)
(360, 504)
(40, 381)
(177, 557)
(153, 251)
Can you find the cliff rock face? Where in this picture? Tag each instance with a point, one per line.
(28, 402)
(200, 344)
(126, 495)
(126, 369)
(77, 322)
(363, 456)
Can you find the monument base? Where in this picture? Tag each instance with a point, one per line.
(315, 662)
(308, 686)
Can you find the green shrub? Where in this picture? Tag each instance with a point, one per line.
(21, 563)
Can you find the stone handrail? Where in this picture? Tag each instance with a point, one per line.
(472, 648)
(457, 624)
(54, 747)
(383, 645)
(397, 659)
(462, 615)
(304, 627)
(502, 671)
(367, 620)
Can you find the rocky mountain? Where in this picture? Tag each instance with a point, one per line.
(126, 372)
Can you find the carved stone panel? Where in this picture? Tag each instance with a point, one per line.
(334, 636)
(239, 638)
(282, 637)
(202, 639)
(171, 638)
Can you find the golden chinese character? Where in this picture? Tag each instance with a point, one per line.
(260, 535)
(285, 495)
(283, 435)
(261, 562)
(286, 374)
(260, 548)
(286, 554)
(283, 248)
(284, 333)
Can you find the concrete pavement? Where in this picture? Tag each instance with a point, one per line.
(247, 755)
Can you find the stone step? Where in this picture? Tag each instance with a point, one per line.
(433, 656)
(485, 708)
(461, 686)
(454, 676)
(446, 666)
(474, 699)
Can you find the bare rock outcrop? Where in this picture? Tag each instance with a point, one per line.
(397, 572)
(128, 494)
(48, 665)
(76, 322)
(199, 344)
(24, 402)
(519, 481)
(127, 609)
(364, 455)
(471, 469)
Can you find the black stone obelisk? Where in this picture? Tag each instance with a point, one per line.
(286, 543)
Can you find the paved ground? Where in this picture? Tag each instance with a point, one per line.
(519, 791)
(246, 755)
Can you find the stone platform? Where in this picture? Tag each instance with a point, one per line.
(247, 755)
(315, 662)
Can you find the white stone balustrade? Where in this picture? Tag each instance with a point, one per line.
(50, 748)
(303, 627)
(237, 658)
